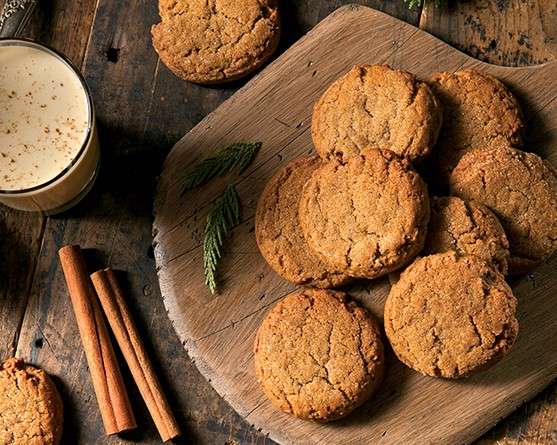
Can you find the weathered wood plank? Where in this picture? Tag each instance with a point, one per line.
(503, 32)
(65, 25)
(20, 238)
(533, 423)
(299, 17)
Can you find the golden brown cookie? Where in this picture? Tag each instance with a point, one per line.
(318, 355)
(30, 406)
(365, 217)
(521, 189)
(450, 315)
(478, 112)
(278, 232)
(375, 106)
(468, 228)
(216, 41)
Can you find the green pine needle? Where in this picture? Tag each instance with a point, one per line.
(417, 3)
(220, 221)
(238, 155)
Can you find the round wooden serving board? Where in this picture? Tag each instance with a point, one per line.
(218, 331)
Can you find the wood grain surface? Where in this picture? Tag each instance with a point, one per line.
(218, 331)
(143, 110)
(504, 32)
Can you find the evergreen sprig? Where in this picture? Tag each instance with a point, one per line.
(220, 221)
(417, 3)
(238, 155)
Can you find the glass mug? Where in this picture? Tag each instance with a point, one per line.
(49, 149)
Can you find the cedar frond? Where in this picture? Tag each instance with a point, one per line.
(235, 156)
(220, 221)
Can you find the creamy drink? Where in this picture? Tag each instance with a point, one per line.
(49, 152)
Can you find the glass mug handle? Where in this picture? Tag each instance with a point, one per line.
(14, 16)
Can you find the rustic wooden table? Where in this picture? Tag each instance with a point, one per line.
(142, 111)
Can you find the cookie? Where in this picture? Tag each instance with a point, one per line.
(278, 232)
(30, 406)
(521, 189)
(468, 228)
(367, 216)
(375, 106)
(450, 315)
(211, 42)
(479, 112)
(318, 355)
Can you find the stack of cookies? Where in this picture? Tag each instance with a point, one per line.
(358, 209)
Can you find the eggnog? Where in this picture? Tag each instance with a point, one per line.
(48, 148)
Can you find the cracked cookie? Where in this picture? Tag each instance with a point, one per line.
(478, 112)
(216, 41)
(278, 232)
(31, 409)
(375, 106)
(468, 228)
(367, 216)
(450, 315)
(318, 355)
(521, 189)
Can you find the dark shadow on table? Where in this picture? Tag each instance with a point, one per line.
(17, 259)
(70, 433)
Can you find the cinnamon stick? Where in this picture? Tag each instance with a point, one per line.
(114, 404)
(133, 350)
